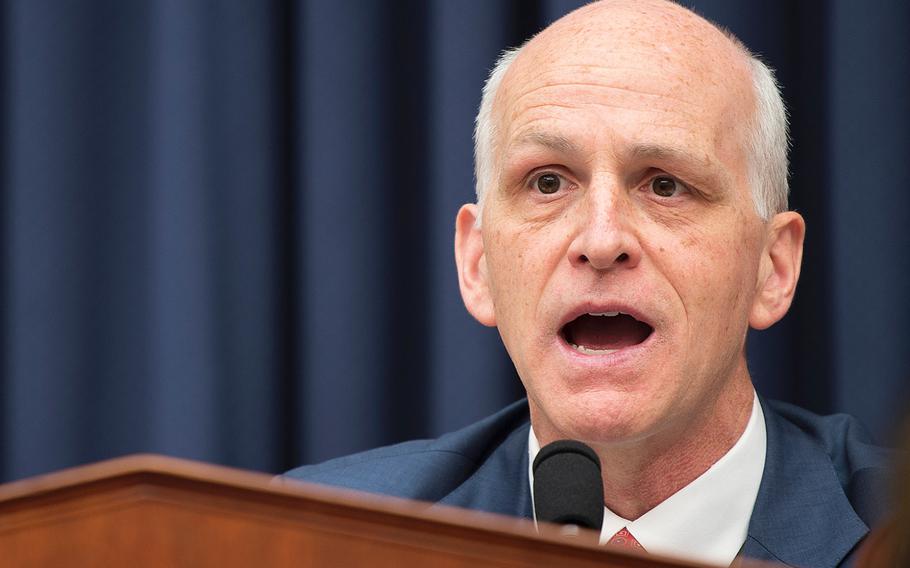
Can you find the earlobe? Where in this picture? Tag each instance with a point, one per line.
(470, 261)
(779, 270)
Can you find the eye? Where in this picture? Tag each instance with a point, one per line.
(666, 186)
(548, 183)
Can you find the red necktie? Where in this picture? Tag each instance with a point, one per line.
(625, 539)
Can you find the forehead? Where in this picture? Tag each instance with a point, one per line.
(650, 73)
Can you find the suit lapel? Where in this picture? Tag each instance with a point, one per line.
(802, 516)
(500, 484)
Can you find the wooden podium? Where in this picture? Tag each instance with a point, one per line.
(155, 511)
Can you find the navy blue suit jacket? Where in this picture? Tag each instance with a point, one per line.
(821, 490)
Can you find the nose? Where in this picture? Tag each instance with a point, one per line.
(605, 238)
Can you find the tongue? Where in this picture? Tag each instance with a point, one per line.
(605, 332)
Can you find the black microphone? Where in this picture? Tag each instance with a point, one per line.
(567, 486)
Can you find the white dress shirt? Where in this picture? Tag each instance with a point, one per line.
(708, 519)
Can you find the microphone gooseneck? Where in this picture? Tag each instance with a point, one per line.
(568, 489)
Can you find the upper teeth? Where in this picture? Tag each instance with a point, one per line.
(609, 314)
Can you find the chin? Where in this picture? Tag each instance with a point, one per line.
(601, 418)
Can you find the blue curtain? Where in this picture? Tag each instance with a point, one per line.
(227, 226)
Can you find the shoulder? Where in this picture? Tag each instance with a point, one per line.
(824, 480)
(847, 443)
(426, 470)
(862, 467)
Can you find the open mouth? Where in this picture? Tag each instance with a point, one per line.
(604, 333)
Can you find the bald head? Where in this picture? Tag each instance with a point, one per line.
(623, 31)
(645, 49)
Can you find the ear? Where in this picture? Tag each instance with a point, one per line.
(779, 269)
(472, 267)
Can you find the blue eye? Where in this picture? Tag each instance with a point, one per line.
(548, 183)
(665, 186)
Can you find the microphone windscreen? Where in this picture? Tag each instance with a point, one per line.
(567, 485)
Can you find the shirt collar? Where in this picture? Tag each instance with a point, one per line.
(708, 519)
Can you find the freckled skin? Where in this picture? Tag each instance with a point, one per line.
(608, 78)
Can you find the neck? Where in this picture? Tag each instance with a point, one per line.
(637, 477)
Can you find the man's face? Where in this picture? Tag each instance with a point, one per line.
(623, 188)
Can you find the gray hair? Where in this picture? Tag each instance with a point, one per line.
(768, 139)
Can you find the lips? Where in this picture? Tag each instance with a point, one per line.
(600, 333)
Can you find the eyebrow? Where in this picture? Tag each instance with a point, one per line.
(664, 153)
(638, 152)
(554, 142)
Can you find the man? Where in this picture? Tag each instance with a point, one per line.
(631, 224)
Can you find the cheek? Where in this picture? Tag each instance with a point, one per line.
(715, 279)
(507, 257)
(519, 263)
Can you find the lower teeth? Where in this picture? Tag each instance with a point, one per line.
(589, 351)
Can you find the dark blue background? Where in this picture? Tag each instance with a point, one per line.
(227, 225)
